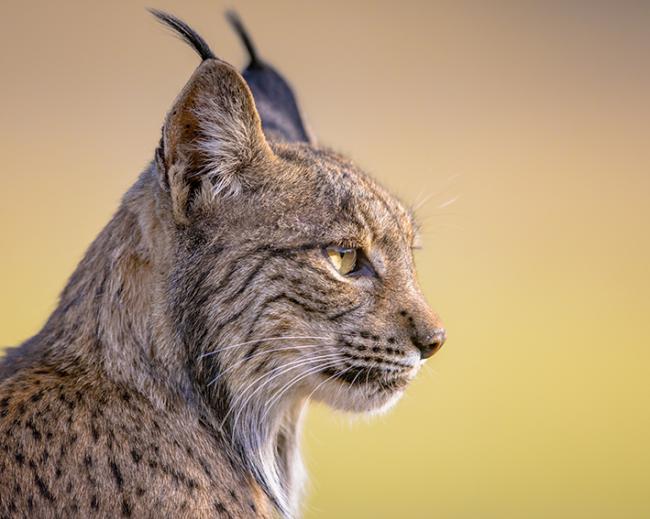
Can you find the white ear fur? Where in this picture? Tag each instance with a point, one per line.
(212, 135)
(227, 143)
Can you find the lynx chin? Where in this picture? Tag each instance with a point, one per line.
(246, 272)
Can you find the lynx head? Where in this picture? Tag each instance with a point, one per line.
(293, 272)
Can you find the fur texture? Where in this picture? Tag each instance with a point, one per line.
(171, 379)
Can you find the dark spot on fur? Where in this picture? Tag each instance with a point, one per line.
(126, 508)
(94, 503)
(221, 509)
(117, 474)
(136, 456)
(20, 458)
(205, 468)
(62, 451)
(42, 488)
(36, 434)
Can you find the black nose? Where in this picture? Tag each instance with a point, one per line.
(430, 343)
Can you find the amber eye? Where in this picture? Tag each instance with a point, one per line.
(343, 260)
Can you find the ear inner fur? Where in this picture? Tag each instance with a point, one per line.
(213, 132)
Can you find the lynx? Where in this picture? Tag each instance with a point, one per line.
(246, 272)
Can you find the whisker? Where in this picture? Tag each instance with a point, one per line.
(421, 201)
(328, 379)
(265, 352)
(329, 357)
(214, 352)
(284, 369)
(294, 381)
(418, 204)
(449, 202)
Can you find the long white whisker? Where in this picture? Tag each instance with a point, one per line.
(289, 384)
(290, 365)
(327, 380)
(214, 352)
(449, 202)
(420, 203)
(260, 353)
(294, 381)
(286, 367)
(304, 362)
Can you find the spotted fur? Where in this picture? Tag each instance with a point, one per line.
(171, 378)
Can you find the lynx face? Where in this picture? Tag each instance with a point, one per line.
(297, 279)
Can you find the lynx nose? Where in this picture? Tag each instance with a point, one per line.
(430, 342)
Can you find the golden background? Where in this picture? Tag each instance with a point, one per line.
(525, 126)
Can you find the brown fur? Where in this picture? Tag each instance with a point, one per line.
(135, 400)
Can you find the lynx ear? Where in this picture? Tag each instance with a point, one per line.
(212, 138)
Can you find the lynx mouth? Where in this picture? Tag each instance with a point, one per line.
(380, 379)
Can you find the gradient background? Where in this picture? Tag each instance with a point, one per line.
(527, 128)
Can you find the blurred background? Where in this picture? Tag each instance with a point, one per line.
(522, 129)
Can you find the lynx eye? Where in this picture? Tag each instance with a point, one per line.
(343, 260)
(349, 261)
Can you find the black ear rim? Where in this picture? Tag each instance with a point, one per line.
(185, 32)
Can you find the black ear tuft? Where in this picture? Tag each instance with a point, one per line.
(274, 97)
(188, 34)
(241, 31)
